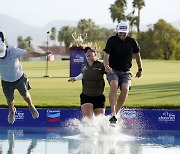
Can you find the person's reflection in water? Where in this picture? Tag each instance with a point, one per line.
(32, 146)
(0, 149)
(11, 136)
(11, 142)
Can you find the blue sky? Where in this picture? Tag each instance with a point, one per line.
(40, 12)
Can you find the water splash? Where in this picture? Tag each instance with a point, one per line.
(98, 127)
(96, 136)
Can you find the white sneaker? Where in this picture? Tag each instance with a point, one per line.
(11, 116)
(34, 112)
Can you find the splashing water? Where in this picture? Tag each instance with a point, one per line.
(98, 127)
(96, 136)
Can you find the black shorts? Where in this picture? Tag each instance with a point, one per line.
(97, 101)
(22, 85)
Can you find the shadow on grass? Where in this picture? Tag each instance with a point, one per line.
(153, 96)
(142, 96)
(169, 87)
(159, 92)
(50, 77)
(160, 86)
(152, 88)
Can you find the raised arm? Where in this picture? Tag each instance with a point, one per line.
(79, 77)
(37, 54)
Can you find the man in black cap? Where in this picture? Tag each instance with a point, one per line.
(12, 76)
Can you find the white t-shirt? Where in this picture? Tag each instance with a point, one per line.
(10, 66)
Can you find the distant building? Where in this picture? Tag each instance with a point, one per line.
(58, 52)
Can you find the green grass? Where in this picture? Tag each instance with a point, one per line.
(159, 87)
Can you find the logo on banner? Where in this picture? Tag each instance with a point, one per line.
(78, 59)
(129, 116)
(19, 115)
(53, 115)
(167, 117)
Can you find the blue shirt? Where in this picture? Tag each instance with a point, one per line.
(10, 66)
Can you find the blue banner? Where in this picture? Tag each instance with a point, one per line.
(77, 58)
(150, 119)
(52, 117)
(136, 119)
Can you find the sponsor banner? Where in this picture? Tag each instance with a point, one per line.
(77, 58)
(149, 119)
(152, 119)
(47, 117)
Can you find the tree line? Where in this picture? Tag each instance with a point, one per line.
(160, 41)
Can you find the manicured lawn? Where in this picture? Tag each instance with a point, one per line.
(159, 86)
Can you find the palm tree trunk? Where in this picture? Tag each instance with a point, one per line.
(138, 22)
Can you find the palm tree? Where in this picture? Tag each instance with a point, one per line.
(82, 26)
(28, 41)
(21, 43)
(25, 44)
(53, 35)
(139, 5)
(132, 22)
(91, 28)
(65, 35)
(117, 10)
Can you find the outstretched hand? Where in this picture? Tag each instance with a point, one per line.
(48, 52)
(71, 79)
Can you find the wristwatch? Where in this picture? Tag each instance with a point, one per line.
(140, 69)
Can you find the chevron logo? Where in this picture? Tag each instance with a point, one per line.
(53, 115)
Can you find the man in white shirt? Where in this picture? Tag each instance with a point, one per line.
(12, 76)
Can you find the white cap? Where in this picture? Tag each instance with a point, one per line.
(2, 49)
(123, 27)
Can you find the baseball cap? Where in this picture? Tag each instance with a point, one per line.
(2, 49)
(88, 48)
(123, 27)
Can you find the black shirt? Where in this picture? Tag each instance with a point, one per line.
(120, 52)
(93, 80)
